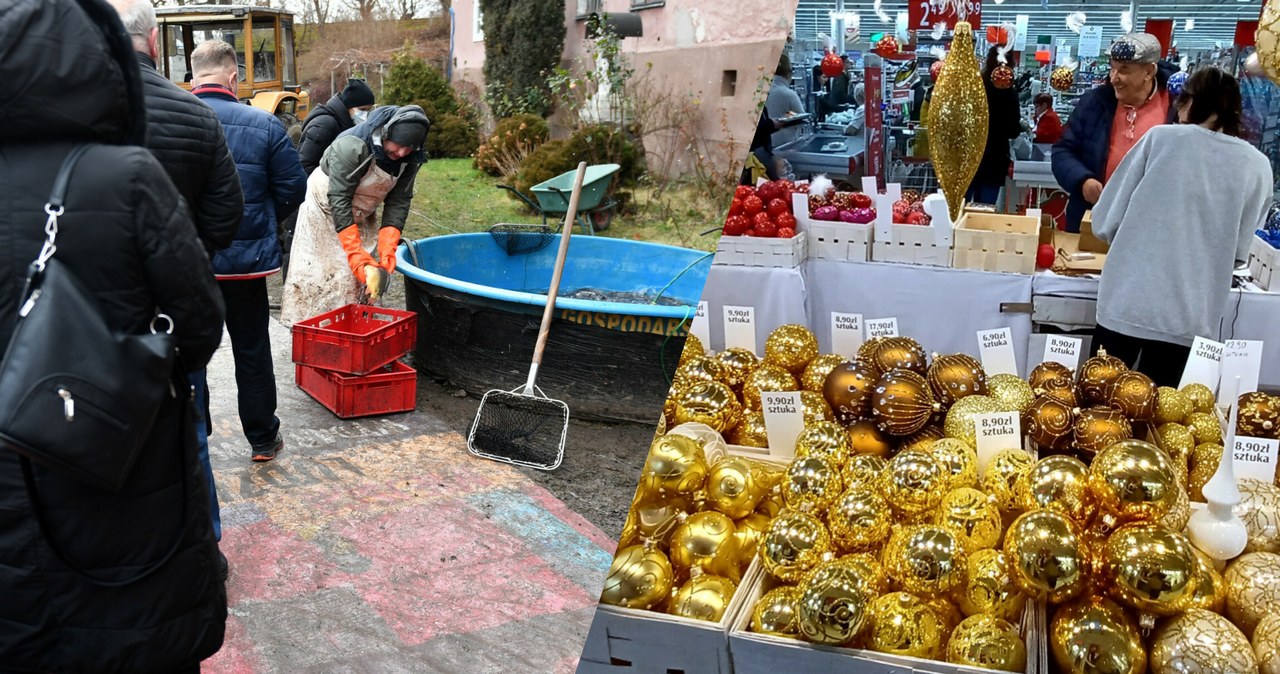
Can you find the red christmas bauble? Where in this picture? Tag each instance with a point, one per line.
(887, 46)
(860, 200)
(1045, 256)
(901, 209)
(935, 70)
(1002, 77)
(832, 65)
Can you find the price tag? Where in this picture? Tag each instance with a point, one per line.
(1204, 364)
(783, 421)
(740, 328)
(1256, 458)
(1240, 358)
(996, 349)
(846, 333)
(699, 328)
(884, 217)
(1063, 349)
(997, 432)
(924, 14)
(882, 327)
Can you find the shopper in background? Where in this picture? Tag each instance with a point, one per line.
(1048, 123)
(274, 185)
(783, 102)
(127, 236)
(1176, 229)
(1109, 120)
(838, 94)
(1004, 123)
(859, 120)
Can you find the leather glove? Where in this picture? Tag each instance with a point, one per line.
(357, 257)
(388, 241)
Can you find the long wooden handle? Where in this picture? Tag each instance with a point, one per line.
(565, 231)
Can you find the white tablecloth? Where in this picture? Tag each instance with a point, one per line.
(778, 296)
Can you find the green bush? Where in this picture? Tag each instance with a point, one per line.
(414, 81)
(512, 139)
(453, 136)
(524, 40)
(593, 144)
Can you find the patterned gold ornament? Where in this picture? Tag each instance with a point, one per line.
(1204, 463)
(1096, 375)
(900, 353)
(1058, 483)
(1266, 644)
(901, 404)
(811, 484)
(750, 432)
(1001, 477)
(1049, 421)
(1047, 556)
(697, 370)
(772, 504)
(870, 572)
(1050, 374)
(989, 589)
(866, 438)
(1177, 441)
(860, 520)
(947, 611)
(1211, 588)
(704, 597)
(794, 543)
(913, 483)
(1011, 392)
(958, 460)
(815, 373)
(749, 530)
(693, 348)
(777, 613)
(971, 514)
(1062, 78)
(955, 376)
(710, 403)
(792, 347)
(1133, 481)
(738, 364)
(833, 604)
(732, 488)
(814, 407)
(862, 470)
(675, 465)
(1253, 589)
(824, 439)
(705, 541)
(1172, 405)
(653, 520)
(1259, 415)
(849, 388)
(1201, 397)
(1094, 635)
(926, 560)
(959, 423)
(988, 642)
(1259, 509)
(1178, 516)
(922, 440)
(1201, 642)
(767, 377)
(639, 577)
(958, 120)
(1133, 394)
(1267, 39)
(1097, 428)
(903, 624)
(1065, 395)
(867, 350)
(1151, 570)
(1205, 428)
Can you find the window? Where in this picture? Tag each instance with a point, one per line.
(477, 22)
(729, 83)
(588, 7)
(647, 4)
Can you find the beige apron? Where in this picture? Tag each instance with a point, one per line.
(320, 279)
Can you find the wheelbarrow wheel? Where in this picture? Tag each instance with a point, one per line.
(600, 219)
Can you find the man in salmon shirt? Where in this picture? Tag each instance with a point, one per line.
(1109, 120)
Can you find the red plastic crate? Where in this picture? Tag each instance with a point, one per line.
(392, 388)
(356, 339)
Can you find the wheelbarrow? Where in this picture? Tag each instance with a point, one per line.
(551, 197)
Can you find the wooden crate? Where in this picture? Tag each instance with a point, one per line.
(911, 244)
(754, 251)
(1263, 263)
(840, 241)
(996, 242)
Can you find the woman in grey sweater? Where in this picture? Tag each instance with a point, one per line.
(1179, 212)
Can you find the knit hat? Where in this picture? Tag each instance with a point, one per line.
(408, 132)
(356, 94)
(1141, 48)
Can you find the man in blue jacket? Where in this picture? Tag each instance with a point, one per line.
(274, 185)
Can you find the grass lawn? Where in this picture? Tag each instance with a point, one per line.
(450, 195)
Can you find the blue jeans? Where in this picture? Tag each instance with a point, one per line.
(202, 436)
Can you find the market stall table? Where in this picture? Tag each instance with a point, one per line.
(778, 296)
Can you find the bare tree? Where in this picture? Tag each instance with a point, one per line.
(407, 9)
(365, 9)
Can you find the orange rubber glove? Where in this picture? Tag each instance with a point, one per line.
(388, 241)
(357, 257)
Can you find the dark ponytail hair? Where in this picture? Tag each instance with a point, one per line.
(1209, 91)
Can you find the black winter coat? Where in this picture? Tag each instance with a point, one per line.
(128, 237)
(184, 134)
(322, 126)
(1004, 123)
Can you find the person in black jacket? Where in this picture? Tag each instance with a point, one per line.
(128, 237)
(326, 121)
(1004, 123)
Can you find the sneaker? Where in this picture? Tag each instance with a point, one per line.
(269, 452)
(223, 568)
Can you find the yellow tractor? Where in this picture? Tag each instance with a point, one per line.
(263, 38)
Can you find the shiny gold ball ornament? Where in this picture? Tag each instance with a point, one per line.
(811, 484)
(866, 438)
(988, 642)
(706, 541)
(693, 348)
(675, 465)
(989, 588)
(1049, 423)
(700, 369)
(750, 432)
(1094, 635)
(1150, 569)
(777, 613)
(1259, 509)
(955, 376)
(703, 597)
(913, 483)
(1266, 645)
(1211, 589)
(794, 543)
(767, 377)
(1050, 374)
(862, 470)
(1172, 405)
(1133, 481)
(959, 423)
(901, 403)
(1259, 415)
(1096, 376)
(922, 440)
(833, 604)
(1201, 397)
(957, 120)
(732, 488)
(1097, 428)
(792, 347)
(1058, 483)
(1062, 78)
(903, 624)
(737, 364)
(900, 353)
(973, 516)
(859, 520)
(639, 577)
(1047, 556)
(1201, 642)
(749, 530)
(1253, 589)
(849, 388)
(654, 520)
(958, 460)
(814, 377)
(1205, 428)
(926, 560)
(814, 408)
(1002, 475)
(870, 571)
(1134, 395)
(1011, 392)
(947, 611)
(708, 402)
(826, 440)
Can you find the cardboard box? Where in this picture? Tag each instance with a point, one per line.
(1088, 242)
(1070, 258)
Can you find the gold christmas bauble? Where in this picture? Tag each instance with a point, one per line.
(859, 520)
(703, 597)
(1047, 556)
(815, 373)
(1178, 516)
(913, 484)
(1177, 441)
(1205, 428)
(706, 542)
(958, 460)
(1259, 509)
(1065, 395)
(1062, 78)
(901, 403)
(959, 423)
(1049, 421)
(732, 487)
(848, 388)
(989, 588)
(1201, 642)
(1201, 397)
(1050, 374)
(1011, 392)
(639, 577)
(900, 353)
(971, 514)
(1001, 476)
(866, 438)
(862, 470)
(700, 369)
(693, 348)
(814, 407)
(749, 530)
(791, 347)
(811, 484)
(1096, 376)
(870, 572)
(1133, 481)
(867, 350)
(926, 560)
(988, 642)
(738, 364)
(833, 604)
(1097, 428)
(1267, 39)
(777, 613)
(1204, 463)
(767, 377)
(1172, 405)
(1266, 644)
(1259, 415)
(957, 120)
(824, 439)
(903, 624)
(955, 376)
(947, 611)
(653, 520)
(922, 440)
(1094, 635)
(1134, 395)
(1211, 589)
(794, 543)
(675, 465)
(1150, 569)
(708, 402)
(1058, 483)
(1253, 589)
(750, 432)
